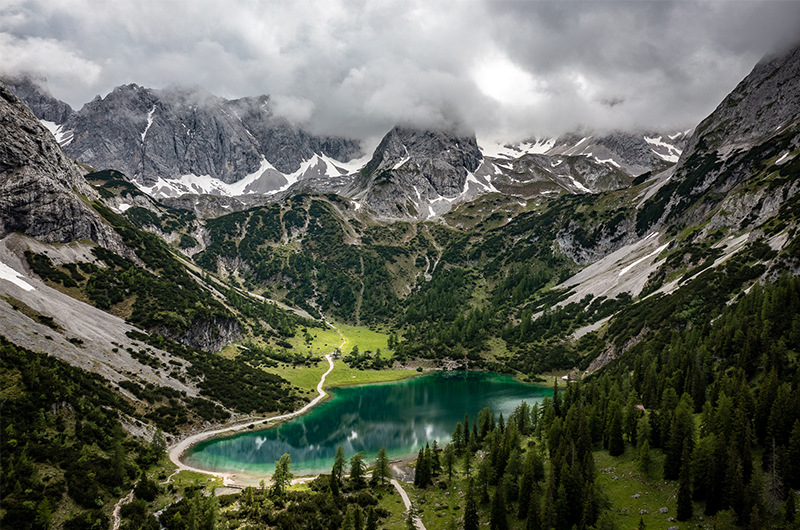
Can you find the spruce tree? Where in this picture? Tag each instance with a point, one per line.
(357, 470)
(358, 518)
(449, 455)
(372, 519)
(685, 485)
(418, 471)
(471, 520)
(282, 476)
(499, 517)
(338, 464)
(334, 484)
(792, 467)
(526, 486)
(789, 508)
(616, 444)
(381, 472)
(458, 438)
(534, 521)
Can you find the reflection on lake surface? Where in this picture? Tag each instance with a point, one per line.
(401, 416)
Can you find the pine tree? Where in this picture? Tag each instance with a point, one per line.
(458, 438)
(338, 464)
(467, 462)
(357, 470)
(485, 477)
(418, 472)
(282, 476)
(526, 486)
(372, 519)
(789, 508)
(499, 517)
(471, 519)
(466, 432)
(449, 455)
(534, 521)
(334, 484)
(792, 467)
(685, 485)
(358, 518)
(616, 444)
(645, 459)
(381, 472)
(436, 464)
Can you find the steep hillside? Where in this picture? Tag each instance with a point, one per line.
(42, 192)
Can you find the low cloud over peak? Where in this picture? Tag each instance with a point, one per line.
(505, 69)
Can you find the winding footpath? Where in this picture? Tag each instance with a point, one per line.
(177, 450)
(117, 507)
(407, 502)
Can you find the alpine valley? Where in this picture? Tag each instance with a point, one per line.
(172, 261)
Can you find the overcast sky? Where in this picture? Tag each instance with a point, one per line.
(506, 69)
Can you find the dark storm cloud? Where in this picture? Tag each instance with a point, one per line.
(504, 68)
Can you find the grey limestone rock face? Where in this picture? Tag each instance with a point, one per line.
(763, 104)
(411, 170)
(629, 151)
(34, 92)
(756, 124)
(40, 188)
(151, 134)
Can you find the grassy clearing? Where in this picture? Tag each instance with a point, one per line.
(391, 500)
(344, 375)
(304, 377)
(327, 340)
(190, 478)
(622, 483)
(323, 341)
(364, 338)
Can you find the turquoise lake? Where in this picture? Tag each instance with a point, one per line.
(401, 416)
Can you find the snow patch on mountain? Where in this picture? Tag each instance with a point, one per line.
(9, 274)
(496, 149)
(63, 137)
(672, 153)
(149, 122)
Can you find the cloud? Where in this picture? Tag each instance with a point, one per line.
(356, 67)
(35, 54)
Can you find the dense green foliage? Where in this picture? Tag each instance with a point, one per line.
(61, 443)
(233, 383)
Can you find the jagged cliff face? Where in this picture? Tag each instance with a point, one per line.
(185, 140)
(752, 134)
(42, 192)
(413, 171)
(632, 152)
(34, 92)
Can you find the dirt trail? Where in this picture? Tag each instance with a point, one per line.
(407, 502)
(117, 507)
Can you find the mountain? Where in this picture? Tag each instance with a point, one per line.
(185, 140)
(42, 192)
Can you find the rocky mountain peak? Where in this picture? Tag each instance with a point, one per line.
(42, 192)
(762, 104)
(443, 157)
(417, 173)
(34, 92)
(184, 139)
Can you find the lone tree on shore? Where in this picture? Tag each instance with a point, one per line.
(282, 476)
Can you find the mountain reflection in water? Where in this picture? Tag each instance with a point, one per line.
(401, 416)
